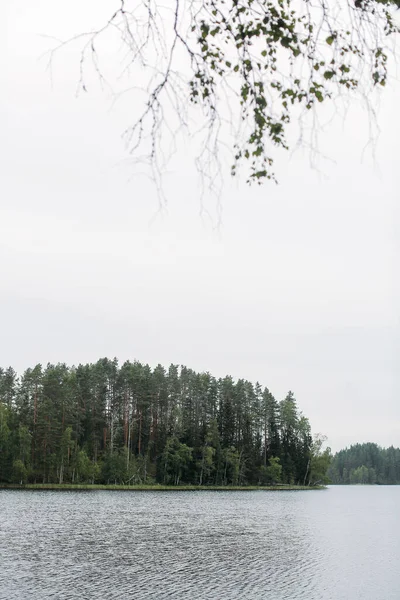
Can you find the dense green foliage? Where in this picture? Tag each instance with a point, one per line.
(366, 463)
(101, 423)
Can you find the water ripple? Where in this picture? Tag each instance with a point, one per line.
(200, 546)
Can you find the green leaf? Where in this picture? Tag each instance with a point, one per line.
(319, 96)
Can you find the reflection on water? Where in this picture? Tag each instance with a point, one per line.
(338, 544)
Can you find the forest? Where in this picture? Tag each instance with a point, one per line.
(131, 424)
(366, 464)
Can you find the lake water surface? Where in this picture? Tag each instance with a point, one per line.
(342, 543)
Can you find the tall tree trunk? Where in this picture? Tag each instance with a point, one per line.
(112, 434)
(129, 440)
(126, 419)
(305, 476)
(140, 433)
(202, 469)
(105, 437)
(265, 443)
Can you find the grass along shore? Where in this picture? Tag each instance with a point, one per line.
(155, 488)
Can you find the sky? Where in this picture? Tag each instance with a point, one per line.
(298, 287)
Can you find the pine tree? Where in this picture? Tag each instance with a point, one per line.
(125, 424)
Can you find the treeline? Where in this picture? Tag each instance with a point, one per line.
(105, 423)
(367, 464)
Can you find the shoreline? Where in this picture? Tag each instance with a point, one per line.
(155, 488)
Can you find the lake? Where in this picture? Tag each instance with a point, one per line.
(342, 543)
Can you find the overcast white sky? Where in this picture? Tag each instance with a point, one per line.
(299, 289)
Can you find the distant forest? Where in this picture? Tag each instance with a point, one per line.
(131, 424)
(366, 463)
